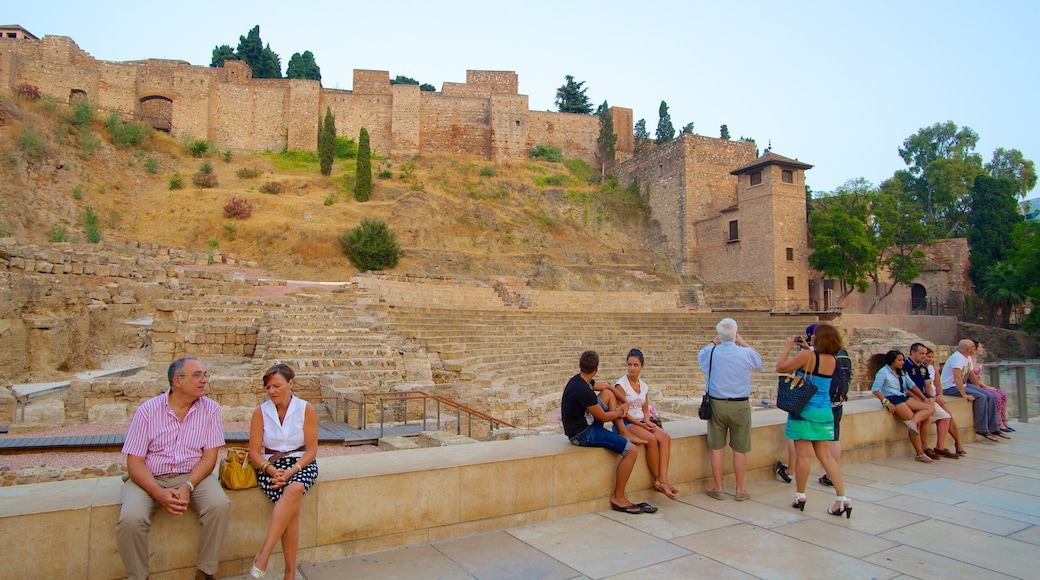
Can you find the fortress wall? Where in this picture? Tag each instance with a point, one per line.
(454, 125)
(372, 82)
(300, 119)
(509, 127)
(574, 134)
(343, 108)
(464, 90)
(497, 82)
(269, 115)
(623, 128)
(230, 124)
(117, 87)
(404, 133)
(660, 173)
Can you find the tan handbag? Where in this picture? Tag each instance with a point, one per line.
(235, 470)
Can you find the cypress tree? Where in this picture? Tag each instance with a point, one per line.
(363, 183)
(327, 142)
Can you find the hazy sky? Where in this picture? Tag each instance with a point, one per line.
(837, 84)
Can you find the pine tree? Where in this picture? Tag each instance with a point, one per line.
(363, 183)
(665, 130)
(571, 97)
(222, 53)
(327, 142)
(688, 129)
(724, 132)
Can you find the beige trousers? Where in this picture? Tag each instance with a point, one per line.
(135, 519)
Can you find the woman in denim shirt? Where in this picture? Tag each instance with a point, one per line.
(893, 389)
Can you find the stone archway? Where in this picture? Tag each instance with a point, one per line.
(918, 298)
(157, 112)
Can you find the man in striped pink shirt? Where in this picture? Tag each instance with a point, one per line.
(171, 450)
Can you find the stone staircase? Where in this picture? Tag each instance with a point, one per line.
(515, 362)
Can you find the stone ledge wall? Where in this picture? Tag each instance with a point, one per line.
(537, 479)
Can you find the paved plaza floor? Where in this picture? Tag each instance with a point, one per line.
(976, 517)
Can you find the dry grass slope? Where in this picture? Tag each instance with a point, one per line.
(453, 216)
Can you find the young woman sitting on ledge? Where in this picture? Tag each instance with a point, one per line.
(891, 387)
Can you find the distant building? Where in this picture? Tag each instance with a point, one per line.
(15, 31)
(1031, 209)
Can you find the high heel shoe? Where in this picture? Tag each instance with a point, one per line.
(255, 572)
(844, 509)
(799, 501)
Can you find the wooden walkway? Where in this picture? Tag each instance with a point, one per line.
(327, 433)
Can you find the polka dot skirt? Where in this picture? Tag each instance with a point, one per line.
(307, 476)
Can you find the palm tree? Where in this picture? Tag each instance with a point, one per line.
(1001, 290)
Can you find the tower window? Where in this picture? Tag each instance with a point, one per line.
(790, 254)
(790, 282)
(756, 178)
(787, 176)
(734, 232)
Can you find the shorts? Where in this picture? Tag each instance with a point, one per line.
(939, 414)
(733, 417)
(596, 436)
(838, 411)
(897, 399)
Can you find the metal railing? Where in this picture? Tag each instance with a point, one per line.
(1027, 384)
(382, 399)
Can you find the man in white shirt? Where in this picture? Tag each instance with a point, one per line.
(954, 379)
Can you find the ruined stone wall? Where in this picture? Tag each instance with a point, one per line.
(456, 125)
(404, 133)
(509, 127)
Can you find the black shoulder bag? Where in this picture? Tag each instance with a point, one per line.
(704, 412)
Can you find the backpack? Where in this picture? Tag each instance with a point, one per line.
(842, 376)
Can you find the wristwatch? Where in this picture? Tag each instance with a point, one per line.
(191, 485)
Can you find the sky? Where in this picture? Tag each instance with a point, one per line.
(836, 84)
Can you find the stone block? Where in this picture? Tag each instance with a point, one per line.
(45, 412)
(443, 439)
(107, 414)
(397, 443)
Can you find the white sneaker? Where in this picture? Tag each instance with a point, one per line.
(911, 426)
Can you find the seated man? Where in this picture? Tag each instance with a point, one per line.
(954, 378)
(578, 404)
(917, 369)
(171, 449)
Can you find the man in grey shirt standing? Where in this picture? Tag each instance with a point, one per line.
(728, 361)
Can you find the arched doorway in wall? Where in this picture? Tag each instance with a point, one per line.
(77, 96)
(918, 298)
(157, 112)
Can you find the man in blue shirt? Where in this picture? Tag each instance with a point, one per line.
(728, 361)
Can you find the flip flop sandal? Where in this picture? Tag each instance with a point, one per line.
(647, 508)
(922, 459)
(988, 436)
(1001, 435)
(628, 509)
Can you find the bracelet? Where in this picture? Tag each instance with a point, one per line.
(191, 485)
(884, 402)
(263, 466)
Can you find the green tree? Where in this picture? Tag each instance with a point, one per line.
(1011, 164)
(665, 130)
(724, 132)
(222, 53)
(844, 245)
(642, 138)
(1002, 291)
(606, 142)
(750, 140)
(994, 214)
(427, 87)
(1025, 247)
(371, 246)
(261, 59)
(687, 129)
(899, 229)
(571, 97)
(363, 182)
(941, 168)
(403, 80)
(327, 142)
(303, 66)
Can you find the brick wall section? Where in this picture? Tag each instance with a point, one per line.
(484, 116)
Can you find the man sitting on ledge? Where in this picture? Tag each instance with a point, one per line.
(171, 449)
(578, 404)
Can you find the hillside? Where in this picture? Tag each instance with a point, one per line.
(556, 225)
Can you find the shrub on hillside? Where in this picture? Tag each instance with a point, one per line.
(28, 92)
(371, 246)
(126, 134)
(82, 114)
(237, 208)
(205, 178)
(176, 181)
(272, 187)
(547, 153)
(248, 173)
(198, 148)
(346, 148)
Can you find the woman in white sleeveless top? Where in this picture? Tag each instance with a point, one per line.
(640, 428)
(283, 444)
